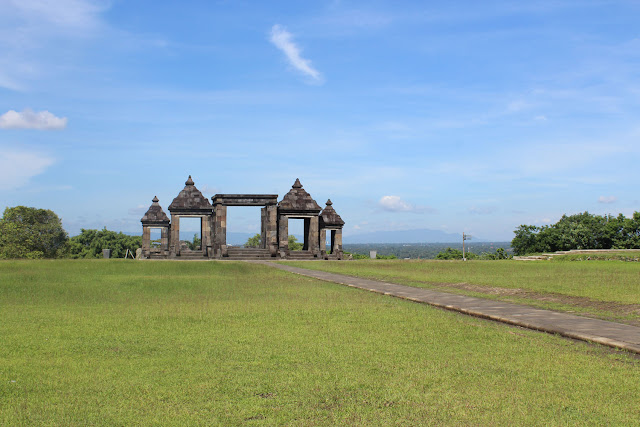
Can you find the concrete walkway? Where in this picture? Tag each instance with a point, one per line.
(593, 330)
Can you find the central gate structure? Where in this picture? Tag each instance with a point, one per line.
(274, 227)
(268, 226)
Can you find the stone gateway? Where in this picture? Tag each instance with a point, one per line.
(274, 230)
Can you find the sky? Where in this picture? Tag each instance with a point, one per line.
(449, 115)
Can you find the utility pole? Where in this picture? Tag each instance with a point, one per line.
(464, 237)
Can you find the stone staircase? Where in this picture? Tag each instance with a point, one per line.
(301, 255)
(191, 255)
(237, 253)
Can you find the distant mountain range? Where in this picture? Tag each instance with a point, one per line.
(423, 235)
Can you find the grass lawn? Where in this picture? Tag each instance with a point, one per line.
(114, 342)
(603, 289)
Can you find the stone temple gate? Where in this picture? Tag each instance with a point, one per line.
(274, 229)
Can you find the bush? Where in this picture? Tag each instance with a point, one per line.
(90, 243)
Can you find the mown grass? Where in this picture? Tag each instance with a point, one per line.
(614, 281)
(110, 342)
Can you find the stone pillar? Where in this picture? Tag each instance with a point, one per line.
(313, 235)
(271, 228)
(220, 230)
(263, 228)
(337, 243)
(205, 234)
(164, 240)
(146, 241)
(323, 241)
(283, 236)
(174, 248)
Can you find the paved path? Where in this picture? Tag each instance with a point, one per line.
(600, 331)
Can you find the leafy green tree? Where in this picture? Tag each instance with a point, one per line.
(526, 240)
(195, 244)
(449, 253)
(254, 242)
(502, 254)
(90, 243)
(580, 231)
(31, 233)
(294, 245)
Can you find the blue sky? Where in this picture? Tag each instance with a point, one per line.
(459, 116)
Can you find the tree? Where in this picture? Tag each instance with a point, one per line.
(580, 231)
(449, 253)
(195, 244)
(254, 242)
(90, 243)
(294, 245)
(31, 233)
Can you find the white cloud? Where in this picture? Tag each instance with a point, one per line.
(396, 204)
(607, 199)
(28, 119)
(282, 39)
(17, 167)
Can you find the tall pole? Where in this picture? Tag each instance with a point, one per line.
(463, 258)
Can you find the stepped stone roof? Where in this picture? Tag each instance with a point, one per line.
(190, 199)
(155, 214)
(297, 200)
(330, 217)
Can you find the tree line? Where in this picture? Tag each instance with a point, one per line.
(580, 231)
(38, 233)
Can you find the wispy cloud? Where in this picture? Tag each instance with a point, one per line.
(28, 119)
(283, 40)
(138, 210)
(607, 199)
(482, 210)
(61, 13)
(32, 29)
(17, 167)
(396, 204)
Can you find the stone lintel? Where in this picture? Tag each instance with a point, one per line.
(192, 212)
(245, 199)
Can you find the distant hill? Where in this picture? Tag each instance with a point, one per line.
(424, 235)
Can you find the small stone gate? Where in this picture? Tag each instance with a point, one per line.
(275, 216)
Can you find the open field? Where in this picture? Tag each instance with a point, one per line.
(608, 290)
(121, 342)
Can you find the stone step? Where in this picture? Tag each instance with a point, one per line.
(247, 250)
(247, 257)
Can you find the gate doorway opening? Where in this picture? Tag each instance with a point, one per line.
(190, 233)
(297, 231)
(243, 223)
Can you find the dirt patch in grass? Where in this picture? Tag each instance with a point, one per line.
(598, 307)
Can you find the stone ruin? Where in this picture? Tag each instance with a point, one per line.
(274, 230)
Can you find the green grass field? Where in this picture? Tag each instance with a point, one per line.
(603, 289)
(113, 342)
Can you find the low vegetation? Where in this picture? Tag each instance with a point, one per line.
(114, 342)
